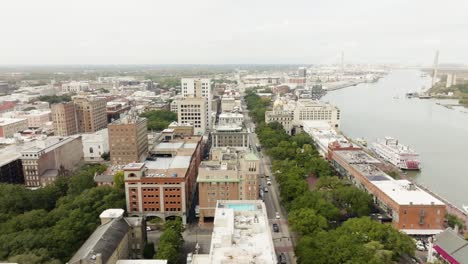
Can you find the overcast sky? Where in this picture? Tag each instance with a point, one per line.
(232, 31)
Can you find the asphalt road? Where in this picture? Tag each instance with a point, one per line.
(282, 240)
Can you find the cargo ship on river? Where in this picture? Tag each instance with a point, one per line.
(398, 154)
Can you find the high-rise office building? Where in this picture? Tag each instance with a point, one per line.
(91, 113)
(128, 140)
(192, 110)
(199, 88)
(64, 119)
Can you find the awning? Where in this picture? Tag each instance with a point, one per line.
(422, 232)
(445, 255)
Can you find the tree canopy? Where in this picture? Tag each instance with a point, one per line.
(330, 217)
(159, 119)
(49, 224)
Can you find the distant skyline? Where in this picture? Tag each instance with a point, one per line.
(232, 32)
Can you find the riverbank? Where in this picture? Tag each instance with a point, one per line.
(438, 134)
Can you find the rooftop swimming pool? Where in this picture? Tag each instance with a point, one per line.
(241, 207)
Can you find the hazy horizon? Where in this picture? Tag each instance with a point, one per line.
(210, 32)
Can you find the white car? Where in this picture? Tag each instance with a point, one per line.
(277, 215)
(268, 182)
(148, 228)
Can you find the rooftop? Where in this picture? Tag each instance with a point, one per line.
(9, 121)
(104, 240)
(241, 234)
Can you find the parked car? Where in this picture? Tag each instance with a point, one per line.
(268, 178)
(265, 189)
(275, 228)
(282, 258)
(268, 182)
(148, 228)
(277, 215)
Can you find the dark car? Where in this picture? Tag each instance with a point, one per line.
(282, 258)
(275, 228)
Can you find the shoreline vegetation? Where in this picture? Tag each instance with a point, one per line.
(330, 215)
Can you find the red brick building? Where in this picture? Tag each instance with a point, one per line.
(413, 210)
(164, 186)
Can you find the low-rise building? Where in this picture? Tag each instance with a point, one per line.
(10, 126)
(412, 209)
(117, 237)
(50, 158)
(182, 129)
(228, 119)
(241, 234)
(230, 136)
(36, 118)
(75, 87)
(293, 114)
(228, 175)
(448, 247)
(94, 145)
(164, 185)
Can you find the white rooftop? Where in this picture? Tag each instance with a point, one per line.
(400, 192)
(241, 234)
(163, 163)
(112, 213)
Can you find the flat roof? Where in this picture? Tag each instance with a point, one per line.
(112, 213)
(405, 192)
(9, 121)
(241, 234)
(356, 157)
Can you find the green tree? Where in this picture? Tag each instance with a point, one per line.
(119, 181)
(159, 119)
(306, 221)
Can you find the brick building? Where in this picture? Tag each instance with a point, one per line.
(164, 185)
(128, 140)
(228, 175)
(91, 113)
(64, 119)
(413, 210)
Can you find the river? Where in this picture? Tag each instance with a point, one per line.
(438, 134)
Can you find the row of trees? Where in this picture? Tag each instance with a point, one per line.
(159, 119)
(49, 224)
(55, 99)
(330, 217)
(256, 105)
(171, 242)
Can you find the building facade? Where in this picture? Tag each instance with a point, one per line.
(128, 140)
(10, 126)
(36, 118)
(91, 113)
(117, 237)
(292, 114)
(164, 186)
(412, 210)
(64, 119)
(192, 110)
(228, 175)
(50, 158)
(199, 88)
(94, 145)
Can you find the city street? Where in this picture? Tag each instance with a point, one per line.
(282, 239)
